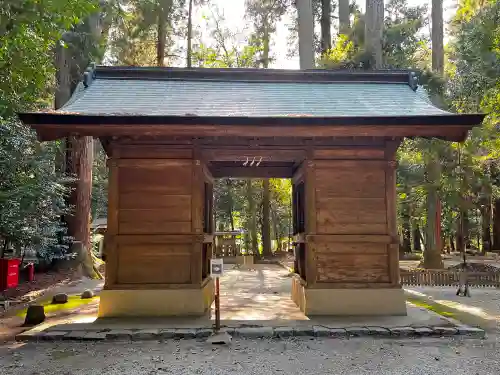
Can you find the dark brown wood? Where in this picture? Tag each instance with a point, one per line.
(451, 132)
(392, 226)
(349, 153)
(252, 172)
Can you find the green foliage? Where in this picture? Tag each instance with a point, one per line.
(31, 193)
(29, 30)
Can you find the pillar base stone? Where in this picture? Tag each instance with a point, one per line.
(156, 302)
(342, 302)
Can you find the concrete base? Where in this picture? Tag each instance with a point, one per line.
(158, 303)
(343, 302)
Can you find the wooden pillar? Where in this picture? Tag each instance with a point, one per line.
(310, 207)
(392, 226)
(155, 232)
(351, 232)
(110, 248)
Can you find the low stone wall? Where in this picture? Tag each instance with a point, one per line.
(252, 333)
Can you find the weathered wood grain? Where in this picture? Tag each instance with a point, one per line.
(154, 264)
(334, 267)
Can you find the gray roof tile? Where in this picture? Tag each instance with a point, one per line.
(248, 99)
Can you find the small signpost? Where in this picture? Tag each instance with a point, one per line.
(216, 271)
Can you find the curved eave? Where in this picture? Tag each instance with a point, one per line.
(50, 125)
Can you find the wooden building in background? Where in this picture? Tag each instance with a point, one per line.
(168, 132)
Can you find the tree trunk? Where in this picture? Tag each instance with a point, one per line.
(79, 164)
(189, 35)
(466, 230)
(162, 36)
(437, 37)
(432, 253)
(406, 232)
(496, 224)
(229, 185)
(486, 224)
(452, 244)
(326, 25)
(253, 218)
(417, 246)
(344, 17)
(266, 235)
(374, 26)
(306, 34)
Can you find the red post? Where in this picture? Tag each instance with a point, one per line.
(217, 305)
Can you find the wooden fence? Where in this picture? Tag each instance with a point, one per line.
(448, 278)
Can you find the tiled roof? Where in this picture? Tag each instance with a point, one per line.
(248, 93)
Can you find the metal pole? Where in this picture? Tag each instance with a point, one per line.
(217, 305)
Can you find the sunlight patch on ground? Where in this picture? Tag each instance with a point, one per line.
(73, 303)
(468, 309)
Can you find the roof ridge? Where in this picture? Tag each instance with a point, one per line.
(251, 75)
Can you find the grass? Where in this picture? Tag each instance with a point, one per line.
(437, 308)
(73, 303)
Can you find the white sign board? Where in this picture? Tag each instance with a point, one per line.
(216, 267)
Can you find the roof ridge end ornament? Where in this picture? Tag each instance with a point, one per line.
(89, 75)
(413, 80)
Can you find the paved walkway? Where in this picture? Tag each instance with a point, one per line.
(259, 293)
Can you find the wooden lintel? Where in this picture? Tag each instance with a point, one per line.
(252, 172)
(51, 131)
(349, 163)
(262, 154)
(153, 163)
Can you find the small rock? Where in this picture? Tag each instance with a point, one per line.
(254, 332)
(303, 331)
(94, 336)
(320, 331)
(185, 333)
(203, 332)
(338, 332)
(119, 334)
(445, 331)
(423, 331)
(282, 332)
(54, 335)
(378, 331)
(357, 331)
(146, 334)
(471, 331)
(34, 315)
(60, 298)
(167, 333)
(402, 331)
(87, 294)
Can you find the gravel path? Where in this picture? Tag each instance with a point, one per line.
(245, 357)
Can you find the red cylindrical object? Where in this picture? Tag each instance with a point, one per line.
(9, 273)
(31, 272)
